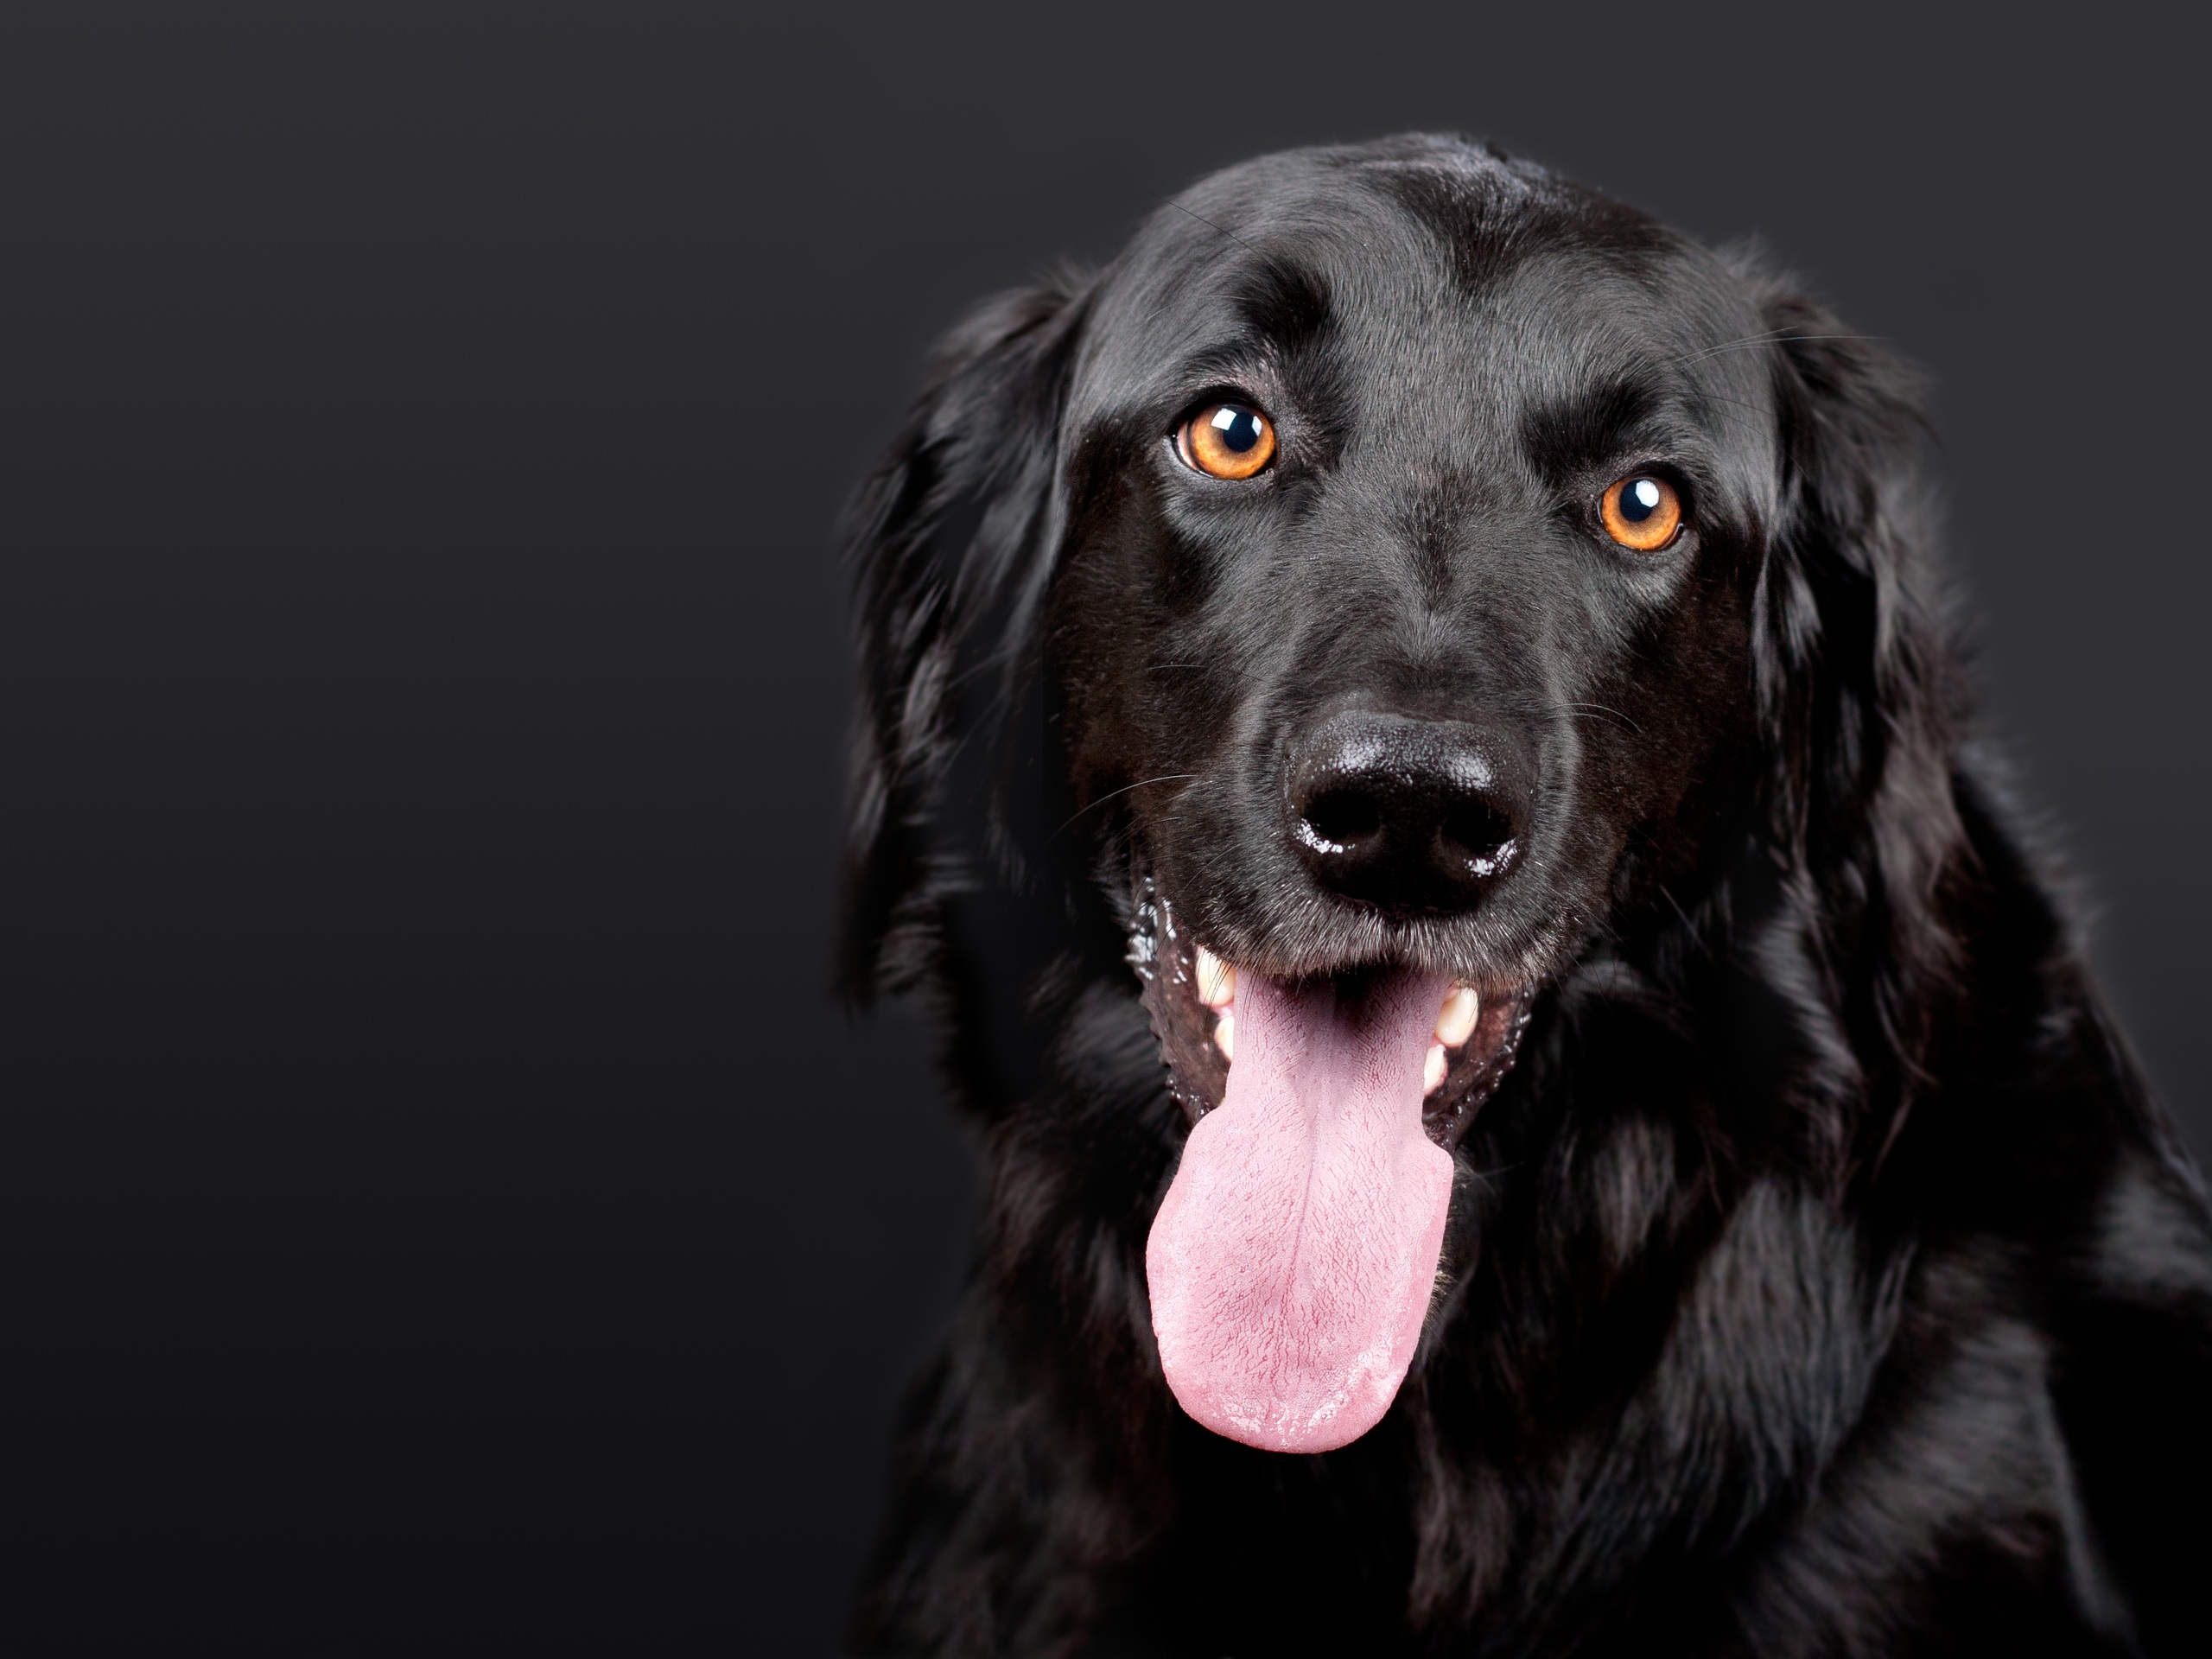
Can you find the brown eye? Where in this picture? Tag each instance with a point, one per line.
(1642, 512)
(1227, 441)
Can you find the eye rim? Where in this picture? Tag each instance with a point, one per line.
(1234, 471)
(1673, 508)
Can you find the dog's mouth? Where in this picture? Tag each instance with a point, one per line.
(1293, 1261)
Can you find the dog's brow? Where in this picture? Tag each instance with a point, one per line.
(1563, 437)
(1283, 302)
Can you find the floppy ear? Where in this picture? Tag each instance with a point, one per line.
(1858, 689)
(950, 543)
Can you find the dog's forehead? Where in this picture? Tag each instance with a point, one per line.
(1516, 287)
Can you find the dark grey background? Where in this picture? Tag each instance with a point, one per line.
(436, 1200)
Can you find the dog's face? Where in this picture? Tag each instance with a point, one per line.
(1423, 673)
(1399, 531)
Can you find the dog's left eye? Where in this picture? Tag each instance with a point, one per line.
(1227, 441)
(1641, 513)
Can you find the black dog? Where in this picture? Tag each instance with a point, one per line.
(1430, 634)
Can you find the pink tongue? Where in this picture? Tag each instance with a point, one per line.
(1292, 1260)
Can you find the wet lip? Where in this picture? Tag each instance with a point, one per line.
(1190, 995)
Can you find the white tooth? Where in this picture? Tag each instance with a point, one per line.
(1225, 1036)
(1216, 980)
(1432, 1071)
(1455, 1021)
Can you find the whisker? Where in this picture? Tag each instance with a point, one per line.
(1164, 778)
(1767, 339)
(1764, 337)
(1596, 708)
(1211, 225)
(1696, 937)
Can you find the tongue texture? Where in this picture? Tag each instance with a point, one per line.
(1292, 1261)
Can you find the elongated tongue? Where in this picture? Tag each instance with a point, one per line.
(1292, 1260)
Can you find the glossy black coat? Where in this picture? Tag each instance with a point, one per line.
(1822, 1279)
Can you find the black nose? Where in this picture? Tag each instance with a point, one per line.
(1409, 815)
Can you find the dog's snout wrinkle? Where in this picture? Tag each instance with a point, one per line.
(1405, 814)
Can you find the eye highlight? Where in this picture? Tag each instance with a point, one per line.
(1641, 513)
(1226, 441)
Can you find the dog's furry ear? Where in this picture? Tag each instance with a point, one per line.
(950, 543)
(1857, 684)
(1849, 658)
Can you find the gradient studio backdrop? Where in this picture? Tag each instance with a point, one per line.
(436, 1199)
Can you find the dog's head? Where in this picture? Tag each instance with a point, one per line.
(1397, 571)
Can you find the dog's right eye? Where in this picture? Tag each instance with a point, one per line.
(1227, 441)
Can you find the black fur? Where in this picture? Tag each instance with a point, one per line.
(1823, 1281)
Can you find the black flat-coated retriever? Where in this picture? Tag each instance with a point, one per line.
(1535, 1101)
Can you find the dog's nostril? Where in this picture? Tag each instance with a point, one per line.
(1342, 816)
(1477, 832)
